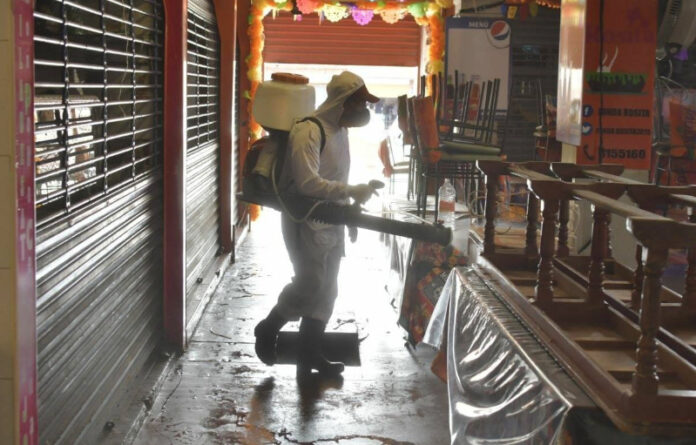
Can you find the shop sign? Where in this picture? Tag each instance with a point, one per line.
(617, 106)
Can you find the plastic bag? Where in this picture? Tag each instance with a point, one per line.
(495, 394)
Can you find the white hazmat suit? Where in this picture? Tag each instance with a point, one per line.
(316, 249)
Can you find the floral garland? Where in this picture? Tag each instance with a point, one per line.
(553, 4)
(436, 48)
(335, 13)
(426, 13)
(362, 16)
(254, 61)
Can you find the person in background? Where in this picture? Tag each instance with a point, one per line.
(316, 249)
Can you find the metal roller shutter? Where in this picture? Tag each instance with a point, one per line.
(203, 149)
(98, 132)
(533, 64)
(342, 43)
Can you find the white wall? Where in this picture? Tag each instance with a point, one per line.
(622, 242)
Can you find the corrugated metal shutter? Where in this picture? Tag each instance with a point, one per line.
(533, 64)
(342, 43)
(203, 148)
(98, 131)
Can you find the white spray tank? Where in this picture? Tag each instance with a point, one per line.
(278, 103)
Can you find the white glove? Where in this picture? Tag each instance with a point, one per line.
(361, 192)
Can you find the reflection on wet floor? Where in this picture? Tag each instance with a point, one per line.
(219, 393)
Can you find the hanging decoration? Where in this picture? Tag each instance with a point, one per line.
(428, 14)
(254, 61)
(362, 16)
(554, 4)
(436, 48)
(335, 13)
(392, 16)
(362, 12)
(418, 10)
(308, 6)
(524, 12)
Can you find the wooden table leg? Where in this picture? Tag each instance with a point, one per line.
(563, 218)
(491, 213)
(600, 235)
(544, 288)
(689, 299)
(607, 245)
(531, 247)
(645, 378)
(638, 277)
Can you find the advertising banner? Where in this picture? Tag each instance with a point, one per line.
(479, 49)
(617, 106)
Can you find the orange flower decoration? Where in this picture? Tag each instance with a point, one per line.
(554, 4)
(254, 212)
(393, 10)
(255, 60)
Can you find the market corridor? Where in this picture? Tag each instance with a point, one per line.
(218, 392)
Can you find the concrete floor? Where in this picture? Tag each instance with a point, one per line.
(219, 393)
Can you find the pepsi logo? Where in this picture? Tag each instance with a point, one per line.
(499, 33)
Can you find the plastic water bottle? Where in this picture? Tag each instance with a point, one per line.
(446, 204)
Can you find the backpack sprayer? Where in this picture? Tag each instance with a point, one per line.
(277, 105)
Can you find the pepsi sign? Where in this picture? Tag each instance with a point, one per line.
(499, 34)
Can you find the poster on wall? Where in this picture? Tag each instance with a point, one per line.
(617, 103)
(479, 49)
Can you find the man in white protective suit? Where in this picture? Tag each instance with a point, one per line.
(316, 249)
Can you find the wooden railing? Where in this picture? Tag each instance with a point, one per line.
(552, 186)
(653, 199)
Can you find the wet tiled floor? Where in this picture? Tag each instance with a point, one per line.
(219, 393)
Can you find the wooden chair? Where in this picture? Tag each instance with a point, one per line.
(391, 167)
(680, 147)
(547, 147)
(474, 119)
(461, 95)
(667, 157)
(433, 160)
